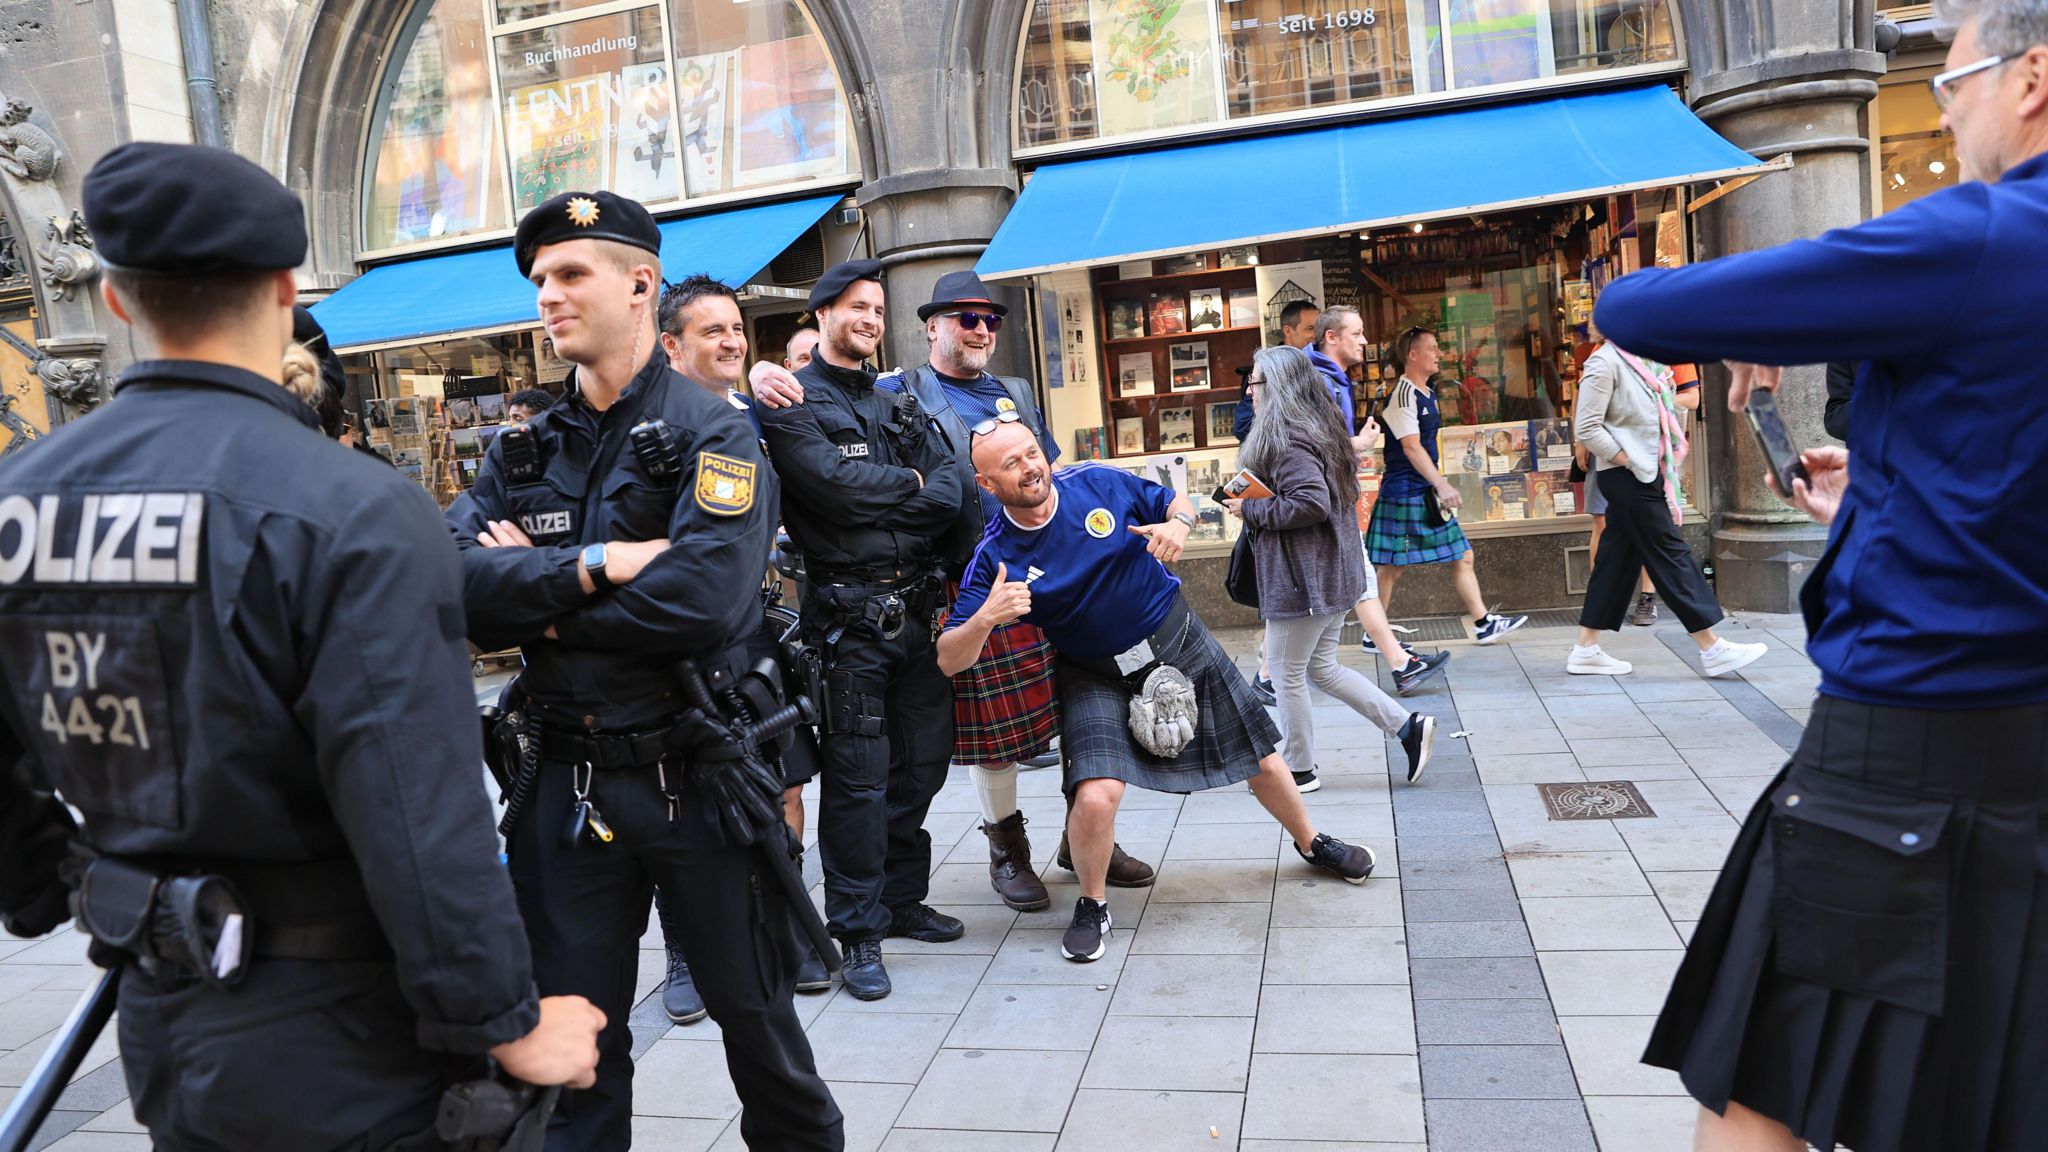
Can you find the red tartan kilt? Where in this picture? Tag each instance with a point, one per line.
(1004, 708)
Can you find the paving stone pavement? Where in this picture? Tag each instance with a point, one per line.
(1489, 989)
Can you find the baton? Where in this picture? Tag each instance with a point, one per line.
(53, 1071)
(776, 850)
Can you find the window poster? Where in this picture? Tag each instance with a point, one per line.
(701, 86)
(644, 145)
(1279, 285)
(576, 96)
(1155, 64)
(786, 114)
(436, 169)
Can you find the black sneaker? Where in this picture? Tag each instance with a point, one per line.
(1496, 626)
(1262, 689)
(922, 922)
(1087, 937)
(863, 973)
(1306, 781)
(1416, 737)
(1419, 668)
(1351, 861)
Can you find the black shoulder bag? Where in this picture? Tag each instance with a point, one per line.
(1241, 580)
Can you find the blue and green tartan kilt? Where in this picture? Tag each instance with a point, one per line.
(1399, 535)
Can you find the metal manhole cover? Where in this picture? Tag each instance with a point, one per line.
(1605, 800)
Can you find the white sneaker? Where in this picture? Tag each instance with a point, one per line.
(1725, 658)
(1597, 663)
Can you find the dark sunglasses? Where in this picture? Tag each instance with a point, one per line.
(973, 320)
(989, 425)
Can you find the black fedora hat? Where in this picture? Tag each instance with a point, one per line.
(955, 289)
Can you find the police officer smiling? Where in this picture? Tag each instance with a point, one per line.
(618, 533)
(238, 651)
(867, 495)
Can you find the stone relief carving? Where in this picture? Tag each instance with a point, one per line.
(67, 256)
(74, 380)
(26, 151)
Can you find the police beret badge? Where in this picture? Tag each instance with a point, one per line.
(582, 211)
(725, 486)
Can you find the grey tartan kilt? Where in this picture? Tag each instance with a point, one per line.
(1232, 733)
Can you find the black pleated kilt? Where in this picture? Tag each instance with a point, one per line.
(1872, 968)
(1233, 731)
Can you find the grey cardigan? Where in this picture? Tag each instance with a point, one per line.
(1307, 552)
(1616, 414)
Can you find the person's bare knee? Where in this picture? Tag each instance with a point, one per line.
(1743, 1130)
(1097, 800)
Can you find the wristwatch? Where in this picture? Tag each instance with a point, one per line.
(593, 563)
(1186, 519)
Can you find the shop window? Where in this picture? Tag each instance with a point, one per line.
(499, 104)
(1916, 156)
(432, 409)
(1098, 69)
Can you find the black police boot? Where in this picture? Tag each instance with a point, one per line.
(863, 974)
(679, 996)
(923, 922)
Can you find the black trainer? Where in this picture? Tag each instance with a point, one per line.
(1496, 626)
(1419, 668)
(1087, 937)
(863, 973)
(922, 922)
(1417, 735)
(679, 997)
(1351, 861)
(1262, 690)
(1307, 782)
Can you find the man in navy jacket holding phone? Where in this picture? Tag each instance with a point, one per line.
(1872, 964)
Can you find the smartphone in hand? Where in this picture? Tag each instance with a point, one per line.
(1775, 439)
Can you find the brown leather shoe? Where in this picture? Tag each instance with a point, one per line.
(1125, 870)
(1009, 865)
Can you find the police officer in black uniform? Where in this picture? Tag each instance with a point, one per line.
(866, 494)
(237, 648)
(622, 531)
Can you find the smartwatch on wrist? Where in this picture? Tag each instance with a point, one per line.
(593, 563)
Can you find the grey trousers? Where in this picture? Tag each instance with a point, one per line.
(1301, 651)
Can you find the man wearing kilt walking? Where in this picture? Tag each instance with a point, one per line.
(1147, 696)
(1871, 969)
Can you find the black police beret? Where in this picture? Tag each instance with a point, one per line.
(189, 210)
(840, 277)
(584, 216)
(955, 289)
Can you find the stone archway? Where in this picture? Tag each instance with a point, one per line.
(63, 271)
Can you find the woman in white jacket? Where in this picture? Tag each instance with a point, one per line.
(1628, 420)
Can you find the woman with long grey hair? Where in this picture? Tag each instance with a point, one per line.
(1306, 551)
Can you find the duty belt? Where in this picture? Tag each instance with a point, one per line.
(612, 751)
(887, 604)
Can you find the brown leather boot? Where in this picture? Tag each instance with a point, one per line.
(1125, 870)
(1009, 865)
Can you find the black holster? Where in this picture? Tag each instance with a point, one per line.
(494, 1116)
(199, 925)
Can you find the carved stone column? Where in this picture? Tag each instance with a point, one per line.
(1777, 77)
(63, 269)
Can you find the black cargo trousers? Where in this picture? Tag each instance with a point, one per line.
(585, 909)
(886, 740)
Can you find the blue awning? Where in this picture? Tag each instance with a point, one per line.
(482, 289)
(1356, 176)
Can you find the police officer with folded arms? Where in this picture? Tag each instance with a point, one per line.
(617, 534)
(237, 649)
(866, 495)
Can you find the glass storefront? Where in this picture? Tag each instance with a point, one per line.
(498, 105)
(1106, 69)
(1152, 349)
(1915, 156)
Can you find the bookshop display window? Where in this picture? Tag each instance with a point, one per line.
(1509, 296)
(1916, 156)
(493, 106)
(432, 409)
(1111, 69)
